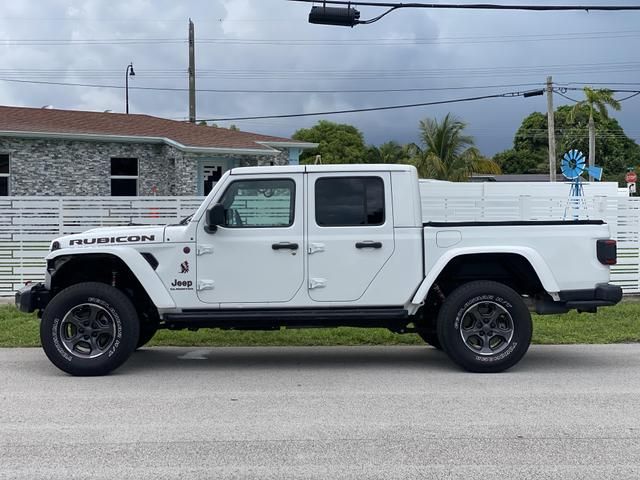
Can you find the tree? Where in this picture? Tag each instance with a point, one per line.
(530, 146)
(521, 161)
(338, 143)
(595, 100)
(389, 152)
(449, 154)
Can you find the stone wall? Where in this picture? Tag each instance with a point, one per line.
(51, 167)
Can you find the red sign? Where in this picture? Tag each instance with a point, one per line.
(631, 177)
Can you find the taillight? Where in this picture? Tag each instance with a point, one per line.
(607, 252)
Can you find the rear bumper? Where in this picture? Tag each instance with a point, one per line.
(32, 297)
(604, 295)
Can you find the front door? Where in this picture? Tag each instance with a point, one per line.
(257, 256)
(350, 233)
(209, 173)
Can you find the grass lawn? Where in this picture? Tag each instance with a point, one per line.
(617, 324)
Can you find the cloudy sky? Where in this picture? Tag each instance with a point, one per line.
(249, 45)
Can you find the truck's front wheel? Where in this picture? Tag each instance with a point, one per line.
(485, 327)
(89, 329)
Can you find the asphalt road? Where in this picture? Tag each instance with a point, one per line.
(330, 413)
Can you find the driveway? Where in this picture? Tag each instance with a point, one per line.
(330, 413)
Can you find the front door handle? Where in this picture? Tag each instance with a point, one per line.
(285, 246)
(361, 245)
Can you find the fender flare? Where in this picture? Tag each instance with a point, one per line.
(536, 261)
(140, 268)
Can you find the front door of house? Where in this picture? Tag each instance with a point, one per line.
(210, 173)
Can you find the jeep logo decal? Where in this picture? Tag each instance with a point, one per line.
(105, 240)
(181, 285)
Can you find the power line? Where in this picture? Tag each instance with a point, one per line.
(561, 92)
(332, 71)
(565, 96)
(629, 97)
(313, 91)
(426, 41)
(371, 109)
(598, 35)
(171, 89)
(480, 6)
(113, 41)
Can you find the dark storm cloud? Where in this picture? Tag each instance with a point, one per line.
(498, 48)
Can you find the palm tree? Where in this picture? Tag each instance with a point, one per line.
(447, 153)
(389, 152)
(595, 100)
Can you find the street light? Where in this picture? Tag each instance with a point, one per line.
(341, 17)
(344, 15)
(129, 73)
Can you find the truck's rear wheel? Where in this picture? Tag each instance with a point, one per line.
(485, 327)
(89, 329)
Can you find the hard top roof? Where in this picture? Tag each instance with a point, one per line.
(340, 168)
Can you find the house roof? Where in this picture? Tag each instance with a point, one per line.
(36, 122)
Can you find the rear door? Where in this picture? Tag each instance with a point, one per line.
(350, 233)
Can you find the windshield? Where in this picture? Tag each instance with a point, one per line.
(186, 220)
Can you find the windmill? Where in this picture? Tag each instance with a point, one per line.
(572, 167)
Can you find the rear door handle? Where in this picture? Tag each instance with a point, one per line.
(285, 246)
(361, 245)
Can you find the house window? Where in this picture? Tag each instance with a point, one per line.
(124, 177)
(4, 175)
(349, 201)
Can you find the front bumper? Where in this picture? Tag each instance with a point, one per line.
(32, 297)
(604, 295)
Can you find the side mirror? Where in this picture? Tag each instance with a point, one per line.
(215, 217)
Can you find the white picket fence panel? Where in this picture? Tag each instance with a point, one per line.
(621, 213)
(29, 224)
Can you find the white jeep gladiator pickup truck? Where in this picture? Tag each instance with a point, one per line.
(318, 246)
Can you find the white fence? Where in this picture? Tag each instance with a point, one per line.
(28, 224)
(621, 213)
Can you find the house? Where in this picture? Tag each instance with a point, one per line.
(77, 153)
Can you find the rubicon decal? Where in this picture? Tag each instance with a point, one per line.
(107, 240)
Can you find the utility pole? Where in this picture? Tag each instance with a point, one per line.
(192, 73)
(552, 131)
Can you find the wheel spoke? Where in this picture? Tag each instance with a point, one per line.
(93, 344)
(104, 328)
(75, 321)
(94, 313)
(466, 334)
(495, 313)
(504, 333)
(486, 346)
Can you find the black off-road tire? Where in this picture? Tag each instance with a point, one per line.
(426, 322)
(147, 332)
(431, 337)
(89, 329)
(485, 327)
